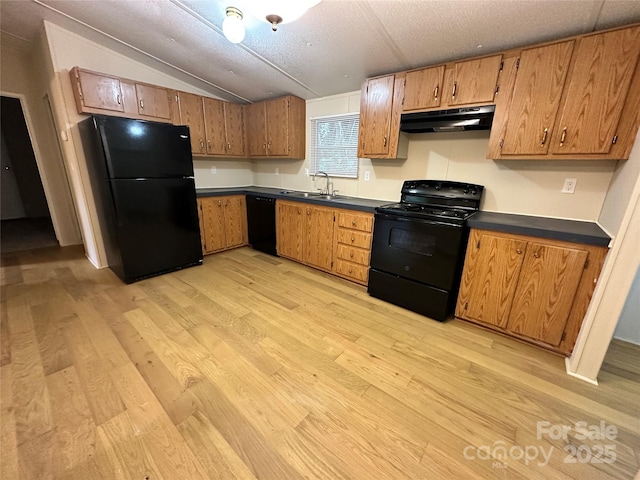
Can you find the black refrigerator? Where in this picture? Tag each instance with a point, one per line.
(142, 180)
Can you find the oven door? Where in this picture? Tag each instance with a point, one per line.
(422, 250)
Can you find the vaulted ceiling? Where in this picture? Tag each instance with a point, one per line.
(330, 50)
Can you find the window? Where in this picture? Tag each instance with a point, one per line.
(334, 145)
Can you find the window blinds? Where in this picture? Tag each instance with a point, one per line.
(334, 145)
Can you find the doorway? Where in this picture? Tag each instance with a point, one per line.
(25, 220)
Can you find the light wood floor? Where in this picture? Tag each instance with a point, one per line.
(254, 367)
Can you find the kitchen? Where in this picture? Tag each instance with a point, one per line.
(525, 187)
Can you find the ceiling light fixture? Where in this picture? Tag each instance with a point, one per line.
(232, 25)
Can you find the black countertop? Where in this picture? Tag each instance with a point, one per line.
(552, 228)
(351, 203)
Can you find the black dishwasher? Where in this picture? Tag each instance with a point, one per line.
(261, 219)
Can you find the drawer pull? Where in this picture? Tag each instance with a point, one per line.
(536, 254)
(518, 251)
(353, 239)
(350, 270)
(351, 255)
(353, 223)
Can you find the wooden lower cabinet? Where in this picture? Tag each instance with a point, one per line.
(534, 289)
(331, 239)
(305, 233)
(223, 222)
(352, 245)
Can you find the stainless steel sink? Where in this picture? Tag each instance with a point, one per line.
(318, 195)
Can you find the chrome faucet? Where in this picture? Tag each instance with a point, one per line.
(326, 188)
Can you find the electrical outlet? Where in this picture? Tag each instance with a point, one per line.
(213, 170)
(367, 175)
(569, 185)
(306, 172)
(277, 171)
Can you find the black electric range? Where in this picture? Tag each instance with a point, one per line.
(419, 245)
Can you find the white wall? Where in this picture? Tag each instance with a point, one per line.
(24, 75)
(628, 328)
(522, 187)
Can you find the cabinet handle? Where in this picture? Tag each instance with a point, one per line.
(308, 212)
(118, 99)
(455, 88)
(269, 146)
(536, 255)
(544, 137)
(228, 145)
(141, 104)
(351, 255)
(219, 203)
(436, 91)
(350, 270)
(201, 145)
(384, 143)
(209, 144)
(353, 239)
(264, 146)
(564, 136)
(353, 223)
(518, 251)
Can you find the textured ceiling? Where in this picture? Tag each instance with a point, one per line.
(330, 50)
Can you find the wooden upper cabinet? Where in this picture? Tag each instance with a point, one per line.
(257, 130)
(376, 109)
(234, 129)
(473, 81)
(192, 115)
(276, 128)
(277, 121)
(423, 88)
(153, 101)
(603, 67)
(216, 141)
(538, 87)
(94, 91)
(548, 285)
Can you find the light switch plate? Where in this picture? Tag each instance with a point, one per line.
(569, 185)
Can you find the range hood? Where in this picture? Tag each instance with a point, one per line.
(456, 119)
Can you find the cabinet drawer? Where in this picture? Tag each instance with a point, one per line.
(348, 269)
(353, 238)
(353, 254)
(357, 222)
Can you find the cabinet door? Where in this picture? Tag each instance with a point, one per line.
(100, 91)
(474, 81)
(376, 109)
(192, 115)
(536, 98)
(603, 66)
(234, 129)
(214, 126)
(490, 277)
(290, 230)
(548, 284)
(153, 101)
(318, 247)
(212, 209)
(423, 88)
(257, 130)
(235, 220)
(277, 120)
